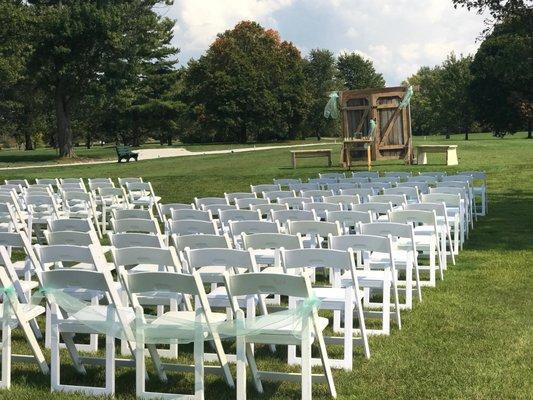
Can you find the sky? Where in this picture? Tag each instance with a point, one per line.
(399, 36)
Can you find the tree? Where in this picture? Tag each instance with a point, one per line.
(442, 103)
(80, 43)
(498, 9)
(320, 71)
(356, 72)
(424, 117)
(502, 89)
(247, 86)
(455, 109)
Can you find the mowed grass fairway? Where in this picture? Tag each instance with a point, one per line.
(470, 338)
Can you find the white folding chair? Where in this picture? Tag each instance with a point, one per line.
(257, 189)
(142, 195)
(132, 260)
(344, 200)
(404, 254)
(455, 213)
(15, 315)
(340, 299)
(198, 325)
(320, 209)
(382, 279)
(63, 322)
(190, 227)
(348, 220)
(427, 240)
(295, 203)
(232, 197)
(302, 333)
(443, 225)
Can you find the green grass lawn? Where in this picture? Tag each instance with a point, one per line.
(470, 338)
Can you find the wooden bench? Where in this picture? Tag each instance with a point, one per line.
(125, 153)
(310, 154)
(450, 150)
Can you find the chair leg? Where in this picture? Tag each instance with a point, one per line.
(362, 328)
(348, 332)
(140, 367)
(241, 367)
(199, 358)
(417, 279)
(396, 301)
(6, 354)
(325, 362)
(110, 365)
(386, 308)
(54, 355)
(35, 349)
(306, 361)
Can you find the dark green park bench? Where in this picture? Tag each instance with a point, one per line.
(125, 153)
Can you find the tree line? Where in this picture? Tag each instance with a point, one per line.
(93, 71)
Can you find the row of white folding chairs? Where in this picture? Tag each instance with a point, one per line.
(86, 280)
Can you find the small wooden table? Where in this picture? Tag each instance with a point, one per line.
(356, 145)
(310, 154)
(450, 150)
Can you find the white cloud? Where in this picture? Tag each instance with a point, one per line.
(399, 36)
(199, 21)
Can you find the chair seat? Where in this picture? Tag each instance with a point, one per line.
(218, 297)
(84, 294)
(422, 242)
(331, 297)
(153, 298)
(368, 278)
(177, 317)
(290, 330)
(90, 267)
(429, 230)
(30, 311)
(146, 200)
(94, 319)
(401, 259)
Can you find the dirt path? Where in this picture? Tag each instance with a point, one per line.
(152, 154)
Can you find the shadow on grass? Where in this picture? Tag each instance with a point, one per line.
(27, 157)
(508, 224)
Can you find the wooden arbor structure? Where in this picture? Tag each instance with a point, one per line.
(391, 138)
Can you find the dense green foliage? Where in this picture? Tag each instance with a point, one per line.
(83, 72)
(96, 67)
(356, 72)
(502, 87)
(248, 86)
(442, 103)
